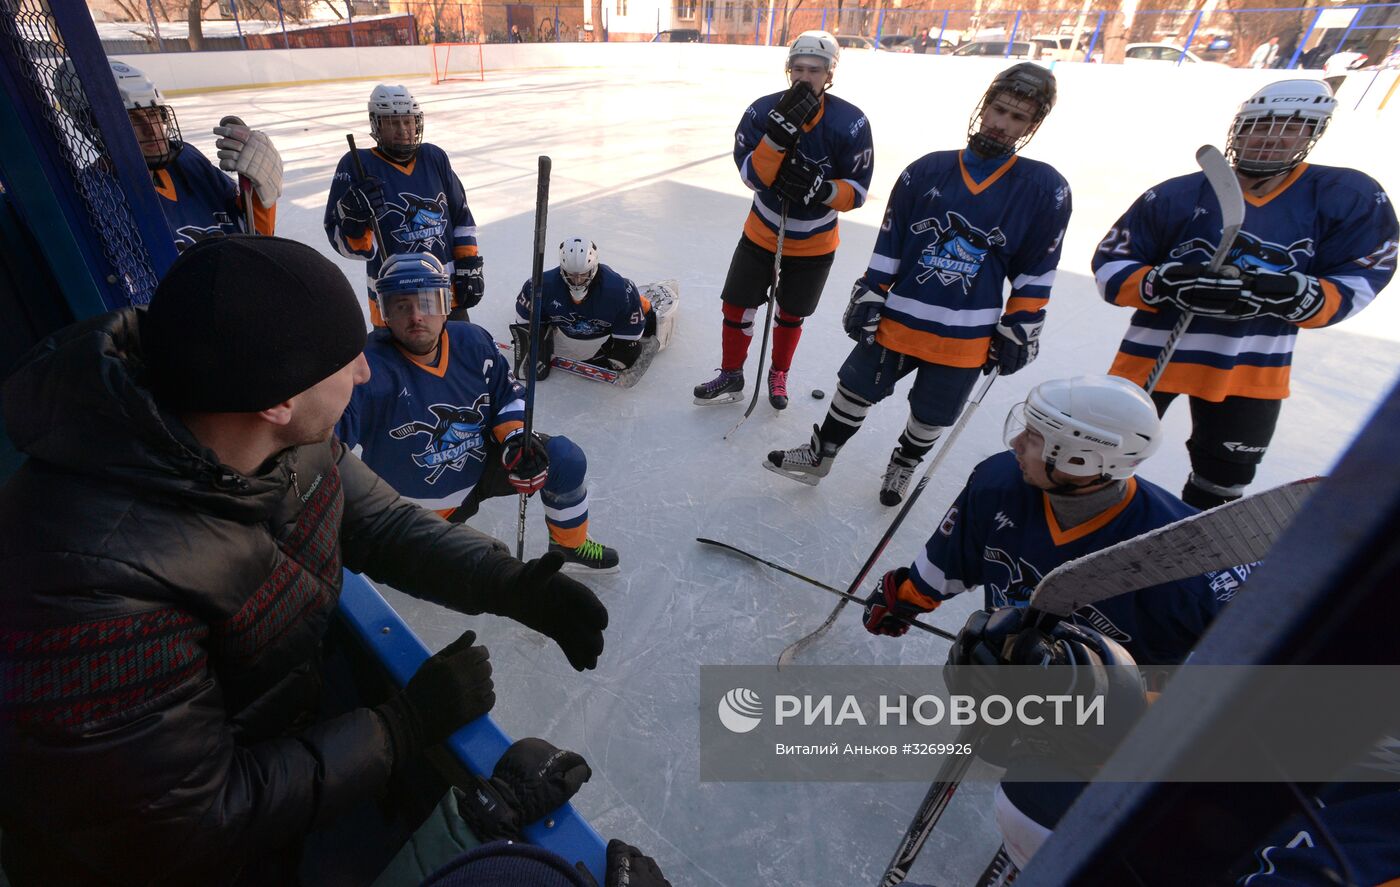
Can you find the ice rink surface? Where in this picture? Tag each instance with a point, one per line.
(642, 165)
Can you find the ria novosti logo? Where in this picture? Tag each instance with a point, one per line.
(740, 710)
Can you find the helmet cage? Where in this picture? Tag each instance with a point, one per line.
(163, 142)
(987, 146)
(395, 101)
(578, 266)
(1270, 144)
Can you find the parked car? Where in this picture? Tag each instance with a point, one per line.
(997, 49)
(854, 41)
(677, 35)
(897, 43)
(1157, 52)
(1059, 48)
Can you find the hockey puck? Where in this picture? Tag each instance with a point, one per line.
(818, 393)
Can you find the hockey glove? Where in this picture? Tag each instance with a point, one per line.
(862, 317)
(362, 202)
(531, 780)
(250, 154)
(526, 461)
(785, 121)
(1194, 287)
(520, 347)
(450, 689)
(617, 354)
(885, 612)
(1293, 296)
(1016, 343)
(983, 641)
(803, 183)
(538, 596)
(630, 867)
(468, 283)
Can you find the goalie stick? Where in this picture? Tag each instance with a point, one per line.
(1238, 532)
(792, 650)
(948, 636)
(536, 278)
(621, 378)
(1221, 177)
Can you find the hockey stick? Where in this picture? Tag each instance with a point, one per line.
(851, 598)
(949, 776)
(536, 287)
(379, 248)
(767, 319)
(796, 647)
(1226, 186)
(245, 184)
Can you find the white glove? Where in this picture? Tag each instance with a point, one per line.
(249, 153)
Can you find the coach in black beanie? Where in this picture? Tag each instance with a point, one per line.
(242, 323)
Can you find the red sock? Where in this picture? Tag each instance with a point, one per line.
(735, 336)
(786, 331)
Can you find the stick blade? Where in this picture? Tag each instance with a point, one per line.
(1226, 185)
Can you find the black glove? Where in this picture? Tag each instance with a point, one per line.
(1294, 296)
(531, 780)
(468, 283)
(802, 182)
(538, 596)
(617, 354)
(794, 109)
(362, 202)
(526, 461)
(984, 640)
(630, 867)
(450, 689)
(1194, 287)
(1016, 343)
(862, 317)
(520, 346)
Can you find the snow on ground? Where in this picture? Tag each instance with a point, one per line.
(642, 165)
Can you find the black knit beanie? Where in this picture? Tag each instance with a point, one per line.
(503, 864)
(242, 323)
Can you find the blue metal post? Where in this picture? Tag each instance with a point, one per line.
(286, 43)
(770, 29)
(556, 24)
(1094, 40)
(941, 28)
(237, 25)
(823, 18)
(1298, 50)
(155, 26)
(1015, 26)
(462, 23)
(880, 27)
(350, 8)
(658, 20)
(1189, 37)
(709, 20)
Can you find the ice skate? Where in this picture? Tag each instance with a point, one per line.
(590, 557)
(727, 387)
(897, 476)
(777, 389)
(806, 464)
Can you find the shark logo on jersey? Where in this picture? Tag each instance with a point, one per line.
(1021, 579)
(576, 327)
(453, 438)
(957, 251)
(1249, 253)
(188, 235)
(424, 221)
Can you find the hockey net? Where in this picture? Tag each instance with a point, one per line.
(457, 61)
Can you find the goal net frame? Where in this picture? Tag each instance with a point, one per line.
(443, 54)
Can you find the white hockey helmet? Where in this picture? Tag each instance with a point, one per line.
(1093, 426)
(1277, 126)
(578, 264)
(157, 130)
(419, 275)
(395, 101)
(818, 44)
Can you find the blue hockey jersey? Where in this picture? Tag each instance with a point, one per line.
(1002, 534)
(1335, 224)
(956, 230)
(423, 428)
(837, 140)
(200, 201)
(614, 307)
(425, 209)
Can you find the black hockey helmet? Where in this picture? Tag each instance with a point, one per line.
(1026, 81)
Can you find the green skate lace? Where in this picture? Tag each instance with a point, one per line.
(590, 550)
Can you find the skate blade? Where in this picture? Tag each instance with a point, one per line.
(801, 477)
(730, 397)
(577, 569)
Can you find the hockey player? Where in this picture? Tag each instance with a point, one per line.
(1066, 489)
(589, 303)
(1318, 244)
(807, 155)
(411, 189)
(197, 199)
(442, 417)
(959, 226)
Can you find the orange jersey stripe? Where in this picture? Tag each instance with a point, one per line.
(1332, 303)
(1129, 295)
(932, 347)
(375, 318)
(845, 199)
(1207, 383)
(765, 161)
(504, 429)
(907, 591)
(1024, 303)
(462, 252)
(363, 243)
(1062, 536)
(757, 230)
(569, 537)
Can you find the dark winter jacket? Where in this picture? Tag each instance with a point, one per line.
(160, 622)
